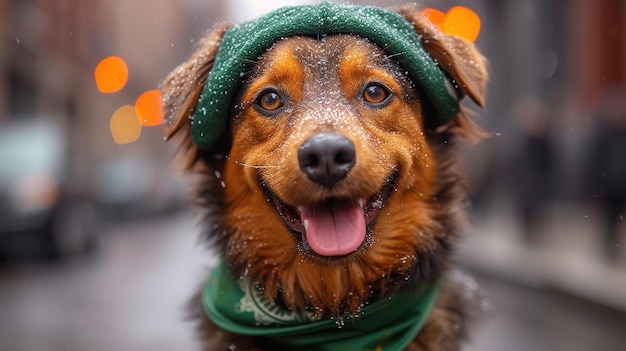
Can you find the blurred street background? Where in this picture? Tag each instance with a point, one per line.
(99, 250)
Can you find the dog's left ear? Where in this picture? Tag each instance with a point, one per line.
(456, 56)
(181, 91)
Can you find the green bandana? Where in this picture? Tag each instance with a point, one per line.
(388, 325)
(248, 41)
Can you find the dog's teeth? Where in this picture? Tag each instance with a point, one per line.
(361, 202)
(306, 224)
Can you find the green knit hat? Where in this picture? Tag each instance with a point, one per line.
(248, 41)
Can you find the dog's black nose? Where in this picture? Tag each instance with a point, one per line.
(327, 158)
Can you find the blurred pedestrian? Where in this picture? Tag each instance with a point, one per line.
(606, 167)
(532, 166)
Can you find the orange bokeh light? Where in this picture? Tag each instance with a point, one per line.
(111, 74)
(149, 108)
(125, 125)
(459, 21)
(435, 16)
(462, 22)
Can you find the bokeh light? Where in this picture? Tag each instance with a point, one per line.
(435, 16)
(111, 74)
(149, 108)
(125, 125)
(462, 22)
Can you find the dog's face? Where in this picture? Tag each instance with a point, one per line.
(331, 168)
(334, 191)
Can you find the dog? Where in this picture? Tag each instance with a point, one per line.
(325, 164)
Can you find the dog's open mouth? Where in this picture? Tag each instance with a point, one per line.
(333, 227)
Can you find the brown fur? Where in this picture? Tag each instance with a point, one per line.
(411, 239)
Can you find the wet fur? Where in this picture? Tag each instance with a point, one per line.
(410, 241)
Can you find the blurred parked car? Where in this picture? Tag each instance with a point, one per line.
(39, 209)
(131, 187)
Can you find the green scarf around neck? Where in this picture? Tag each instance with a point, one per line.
(391, 324)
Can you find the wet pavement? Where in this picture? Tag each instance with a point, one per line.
(131, 296)
(523, 318)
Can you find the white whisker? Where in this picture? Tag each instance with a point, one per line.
(246, 60)
(394, 55)
(254, 166)
(390, 45)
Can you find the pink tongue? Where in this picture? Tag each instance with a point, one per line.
(336, 230)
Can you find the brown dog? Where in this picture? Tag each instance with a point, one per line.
(331, 190)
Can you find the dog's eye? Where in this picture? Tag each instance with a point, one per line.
(269, 101)
(376, 94)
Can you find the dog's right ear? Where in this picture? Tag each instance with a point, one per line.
(181, 90)
(456, 56)
(459, 59)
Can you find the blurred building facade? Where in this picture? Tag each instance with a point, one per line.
(556, 69)
(48, 52)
